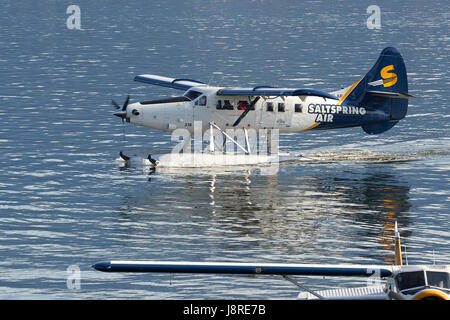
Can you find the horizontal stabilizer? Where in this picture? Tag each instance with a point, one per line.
(243, 268)
(392, 95)
(180, 84)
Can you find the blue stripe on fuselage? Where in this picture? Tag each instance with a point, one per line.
(332, 116)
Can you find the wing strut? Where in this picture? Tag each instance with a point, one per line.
(247, 151)
(249, 107)
(303, 287)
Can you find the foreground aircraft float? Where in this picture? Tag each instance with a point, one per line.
(376, 102)
(403, 282)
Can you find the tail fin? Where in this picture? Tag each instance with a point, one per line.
(384, 88)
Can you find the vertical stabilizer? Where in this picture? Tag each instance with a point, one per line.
(384, 89)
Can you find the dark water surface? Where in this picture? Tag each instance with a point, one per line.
(64, 200)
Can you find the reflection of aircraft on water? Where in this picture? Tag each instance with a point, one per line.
(296, 206)
(376, 102)
(293, 203)
(403, 282)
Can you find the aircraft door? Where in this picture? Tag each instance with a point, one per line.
(259, 116)
(188, 118)
(251, 119)
(268, 113)
(289, 111)
(280, 111)
(223, 112)
(201, 111)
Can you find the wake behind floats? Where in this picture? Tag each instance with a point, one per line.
(376, 102)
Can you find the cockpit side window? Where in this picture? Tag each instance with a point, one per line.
(201, 101)
(438, 279)
(408, 280)
(192, 94)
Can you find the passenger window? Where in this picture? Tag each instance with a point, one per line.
(242, 105)
(280, 107)
(269, 106)
(228, 105)
(219, 105)
(298, 107)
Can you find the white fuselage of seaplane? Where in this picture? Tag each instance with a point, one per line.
(287, 114)
(201, 104)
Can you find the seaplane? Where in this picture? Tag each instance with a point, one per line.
(402, 282)
(244, 123)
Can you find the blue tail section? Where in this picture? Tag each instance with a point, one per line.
(383, 89)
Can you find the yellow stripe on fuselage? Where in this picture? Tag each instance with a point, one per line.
(348, 91)
(310, 127)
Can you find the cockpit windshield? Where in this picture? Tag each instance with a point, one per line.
(416, 279)
(192, 94)
(407, 280)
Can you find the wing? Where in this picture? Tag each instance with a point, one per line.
(180, 84)
(270, 91)
(243, 268)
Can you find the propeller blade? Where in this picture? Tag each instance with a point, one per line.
(249, 107)
(125, 105)
(115, 104)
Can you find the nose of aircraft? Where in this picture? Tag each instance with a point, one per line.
(131, 110)
(123, 111)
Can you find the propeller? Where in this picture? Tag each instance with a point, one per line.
(123, 112)
(249, 107)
